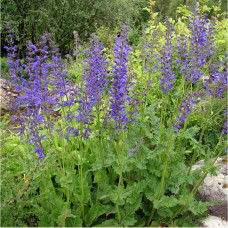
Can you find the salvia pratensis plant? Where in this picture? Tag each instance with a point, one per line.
(108, 153)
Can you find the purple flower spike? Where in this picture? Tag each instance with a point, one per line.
(121, 82)
(201, 48)
(216, 85)
(96, 75)
(165, 65)
(184, 110)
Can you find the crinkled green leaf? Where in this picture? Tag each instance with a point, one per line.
(92, 214)
(191, 132)
(129, 221)
(108, 223)
(66, 213)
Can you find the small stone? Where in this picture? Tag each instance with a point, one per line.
(213, 221)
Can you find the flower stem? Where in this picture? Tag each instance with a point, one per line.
(163, 174)
(195, 151)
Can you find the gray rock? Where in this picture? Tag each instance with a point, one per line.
(7, 97)
(213, 221)
(214, 188)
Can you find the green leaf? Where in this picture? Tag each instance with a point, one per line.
(105, 190)
(137, 189)
(131, 208)
(166, 212)
(191, 132)
(198, 207)
(45, 220)
(152, 188)
(97, 177)
(155, 224)
(146, 9)
(141, 165)
(159, 149)
(166, 201)
(154, 120)
(141, 220)
(73, 222)
(132, 139)
(66, 213)
(156, 203)
(193, 176)
(129, 221)
(92, 215)
(176, 179)
(57, 205)
(145, 208)
(108, 223)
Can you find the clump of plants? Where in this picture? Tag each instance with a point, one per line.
(116, 148)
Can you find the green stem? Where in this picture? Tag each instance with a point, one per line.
(218, 111)
(66, 205)
(180, 142)
(163, 175)
(118, 194)
(162, 120)
(195, 151)
(141, 132)
(182, 82)
(62, 154)
(97, 153)
(117, 151)
(80, 169)
(120, 180)
(220, 139)
(100, 144)
(98, 187)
